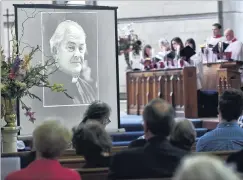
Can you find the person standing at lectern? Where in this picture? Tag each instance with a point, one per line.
(217, 36)
(235, 48)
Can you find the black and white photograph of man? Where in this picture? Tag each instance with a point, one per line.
(74, 51)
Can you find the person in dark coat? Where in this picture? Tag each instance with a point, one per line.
(158, 157)
(94, 143)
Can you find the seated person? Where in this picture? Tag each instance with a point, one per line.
(157, 158)
(228, 135)
(98, 111)
(203, 167)
(92, 141)
(50, 140)
(236, 159)
(137, 143)
(240, 121)
(183, 134)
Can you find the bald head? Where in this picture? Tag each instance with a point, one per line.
(229, 34)
(159, 117)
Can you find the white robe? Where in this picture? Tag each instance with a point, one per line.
(197, 62)
(236, 48)
(215, 40)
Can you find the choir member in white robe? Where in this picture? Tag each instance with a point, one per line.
(217, 37)
(164, 46)
(176, 46)
(196, 61)
(235, 47)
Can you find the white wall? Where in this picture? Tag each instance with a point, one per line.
(233, 17)
(156, 19)
(8, 4)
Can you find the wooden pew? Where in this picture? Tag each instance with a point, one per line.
(71, 152)
(76, 162)
(93, 173)
(102, 174)
(79, 162)
(177, 86)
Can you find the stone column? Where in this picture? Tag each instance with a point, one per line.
(9, 139)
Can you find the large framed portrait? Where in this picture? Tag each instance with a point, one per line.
(82, 43)
(73, 44)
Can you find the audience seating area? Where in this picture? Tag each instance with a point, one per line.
(134, 129)
(70, 160)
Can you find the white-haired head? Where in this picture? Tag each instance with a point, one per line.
(63, 29)
(164, 44)
(201, 167)
(50, 139)
(68, 47)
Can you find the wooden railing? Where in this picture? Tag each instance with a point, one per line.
(177, 86)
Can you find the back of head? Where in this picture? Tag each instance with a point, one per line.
(159, 117)
(91, 139)
(202, 167)
(50, 139)
(183, 134)
(99, 111)
(231, 104)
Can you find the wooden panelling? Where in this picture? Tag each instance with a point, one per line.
(177, 86)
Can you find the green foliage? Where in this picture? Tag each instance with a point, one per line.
(18, 77)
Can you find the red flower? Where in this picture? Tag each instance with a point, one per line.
(11, 74)
(181, 62)
(162, 65)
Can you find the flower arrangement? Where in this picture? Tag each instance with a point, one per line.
(18, 77)
(129, 42)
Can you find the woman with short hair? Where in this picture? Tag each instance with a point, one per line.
(97, 111)
(94, 143)
(183, 134)
(50, 140)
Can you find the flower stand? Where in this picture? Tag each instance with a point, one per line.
(9, 139)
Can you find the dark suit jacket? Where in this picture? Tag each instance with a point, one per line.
(237, 160)
(59, 98)
(97, 162)
(44, 169)
(158, 158)
(137, 143)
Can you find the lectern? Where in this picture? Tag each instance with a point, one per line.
(221, 75)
